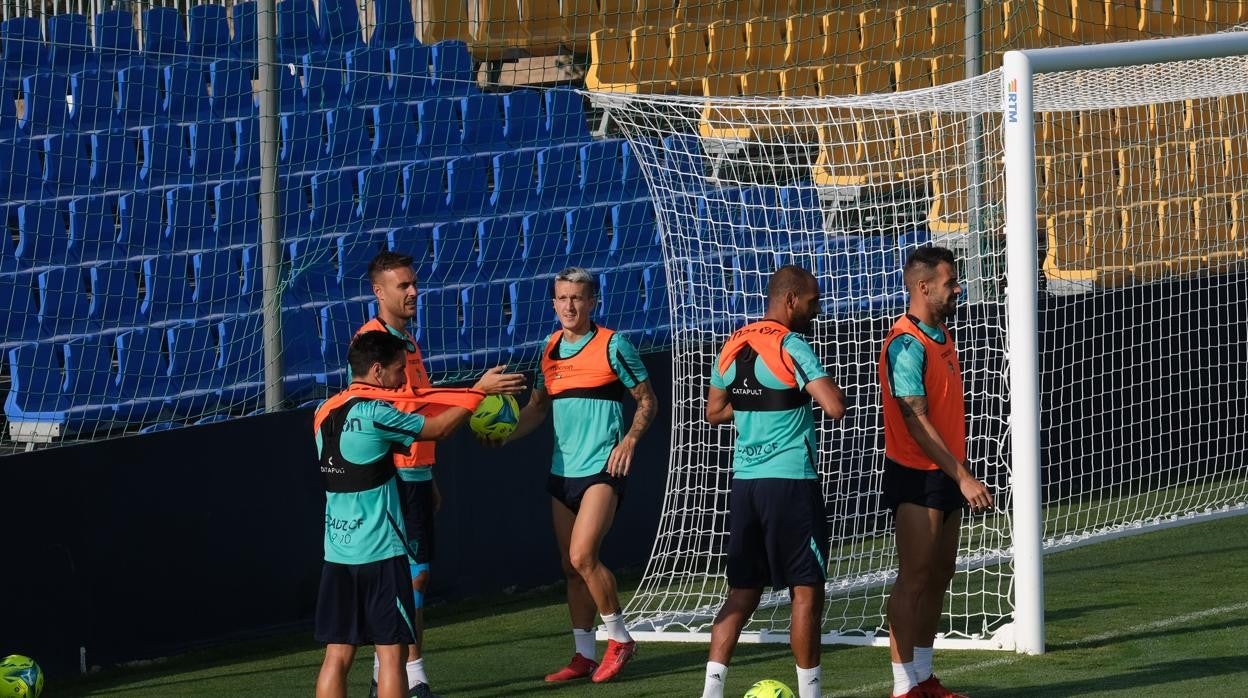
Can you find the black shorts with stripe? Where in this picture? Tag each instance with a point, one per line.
(416, 499)
(571, 490)
(367, 604)
(927, 488)
(777, 534)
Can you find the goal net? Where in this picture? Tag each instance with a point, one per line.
(1141, 177)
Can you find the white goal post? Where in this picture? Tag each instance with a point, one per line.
(1084, 189)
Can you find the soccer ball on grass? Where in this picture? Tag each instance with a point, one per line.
(769, 688)
(20, 677)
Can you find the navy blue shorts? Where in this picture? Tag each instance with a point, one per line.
(570, 490)
(927, 488)
(777, 534)
(416, 499)
(369, 604)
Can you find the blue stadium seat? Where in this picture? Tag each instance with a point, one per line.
(532, 317)
(164, 35)
(69, 42)
(66, 164)
(353, 253)
(301, 355)
(658, 310)
(522, 118)
(62, 301)
(42, 238)
(635, 234)
(878, 283)
(466, 190)
(498, 244)
(93, 228)
(482, 116)
(297, 32)
(840, 265)
(141, 223)
(632, 181)
(138, 96)
(348, 143)
(800, 203)
(211, 148)
(439, 126)
(241, 362)
(252, 286)
(453, 70)
(313, 277)
(194, 381)
(684, 163)
(339, 322)
(381, 195)
(303, 143)
(514, 185)
(394, 23)
(208, 33)
(114, 159)
(410, 79)
(188, 218)
(290, 97)
(246, 134)
(44, 97)
(167, 288)
(438, 328)
(217, 278)
(454, 253)
(142, 376)
(339, 22)
(716, 220)
(623, 303)
(24, 50)
(237, 206)
(761, 223)
(89, 383)
(93, 107)
(913, 239)
(333, 202)
(165, 160)
(486, 337)
(588, 242)
(424, 190)
(22, 180)
(17, 293)
(116, 43)
(544, 245)
(115, 294)
(415, 241)
(294, 195)
(565, 116)
(8, 118)
(231, 89)
(36, 395)
(557, 175)
(323, 80)
(394, 132)
(601, 179)
(186, 92)
(243, 20)
(365, 79)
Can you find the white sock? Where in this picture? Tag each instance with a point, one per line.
(716, 674)
(416, 672)
(376, 667)
(922, 664)
(808, 682)
(615, 628)
(585, 645)
(903, 678)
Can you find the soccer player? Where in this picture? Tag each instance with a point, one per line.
(927, 480)
(364, 594)
(394, 285)
(585, 371)
(762, 382)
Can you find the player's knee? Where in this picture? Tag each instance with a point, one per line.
(583, 562)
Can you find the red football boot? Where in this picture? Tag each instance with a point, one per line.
(578, 668)
(617, 655)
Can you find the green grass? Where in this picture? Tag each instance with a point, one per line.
(1162, 614)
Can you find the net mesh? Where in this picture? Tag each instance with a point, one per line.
(1137, 425)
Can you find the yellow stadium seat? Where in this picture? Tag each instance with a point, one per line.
(1177, 18)
(655, 13)
(1098, 178)
(873, 77)
(545, 25)
(1202, 116)
(1209, 165)
(1172, 169)
(708, 11)
(949, 134)
(1091, 25)
(1057, 22)
(841, 41)
(1144, 247)
(948, 22)
(1167, 120)
(912, 74)
(1124, 20)
(1020, 25)
(1135, 174)
(1178, 234)
(1221, 224)
(688, 58)
(580, 19)
(764, 43)
(1068, 253)
(1060, 184)
(809, 7)
(878, 28)
(948, 211)
(837, 80)
(443, 20)
(1236, 160)
(611, 65)
(726, 45)
(760, 83)
(914, 141)
(799, 82)
(1132, 124)
(947, 68)
(913, 30)
(618, 14)
(1107, 243)
(804, 43)
(1222, 14)
(649, 55)
(496, 29)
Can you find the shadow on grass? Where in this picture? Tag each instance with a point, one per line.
(1064, 614)
(1123, 638)
(1157, 675)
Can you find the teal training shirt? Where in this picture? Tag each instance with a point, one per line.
(906, 359)
(367, 526)
(776, 444)
(587, 429)
(405, 474)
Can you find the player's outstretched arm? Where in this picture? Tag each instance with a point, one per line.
(914, 411)
(444, 423)
(829, 395)
(718, 409)
(495, 382)
(532, 414)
